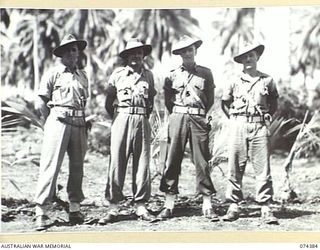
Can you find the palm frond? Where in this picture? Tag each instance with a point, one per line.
(24, 111)
(15, 185)
(292, 130)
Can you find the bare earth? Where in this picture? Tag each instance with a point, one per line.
(19, 180)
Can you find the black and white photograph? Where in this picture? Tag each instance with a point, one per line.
(160, 120)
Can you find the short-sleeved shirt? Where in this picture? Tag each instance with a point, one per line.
(130, 88)
(64, 88)
(190, 88)
(250, 96)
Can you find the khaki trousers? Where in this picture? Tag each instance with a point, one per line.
(249, 141)
(184, 127)
(59, 138)
(130, 133)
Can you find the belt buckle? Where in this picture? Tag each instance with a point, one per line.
(131, 110)
(188, 110)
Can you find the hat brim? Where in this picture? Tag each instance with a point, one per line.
(146, 51)
(177, 51)
(259, 49)
(82, 44)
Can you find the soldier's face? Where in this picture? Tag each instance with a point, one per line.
(188, 54)
(70, 55)
(135, 58)
(250, 59)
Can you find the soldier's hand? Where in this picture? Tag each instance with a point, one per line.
(209, 119)
(88, 126)
(268, 117)
(41, 108)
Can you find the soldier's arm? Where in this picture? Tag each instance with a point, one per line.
(227, 99)
(152, 92)
(210, 86)
(273, 97)
(44, 93)
(168, 94)
(111, 94)
(273, 106)
(225, 106)
(41, 106)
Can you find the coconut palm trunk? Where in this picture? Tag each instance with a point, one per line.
(35, 52)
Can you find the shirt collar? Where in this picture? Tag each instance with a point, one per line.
(195, 68)
(131, 71)
(66, 69)
(63, 69)
(247, 78)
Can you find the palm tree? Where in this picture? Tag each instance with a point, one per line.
(234, 26)
(306, 49)
(161, 27)
(29, 29)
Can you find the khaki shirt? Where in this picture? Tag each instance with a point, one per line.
(193, 88)
(131, 89)
(250, 96)
(64, 88)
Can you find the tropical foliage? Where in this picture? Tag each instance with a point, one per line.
(28, 37)
(236, 26)
(306, 51)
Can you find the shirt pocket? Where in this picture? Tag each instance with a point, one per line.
(198, 83)
(264, 88)
(142, 89)
(124, 93)
(261, 93)
(178, 85)
(240, 100)
(60, 91)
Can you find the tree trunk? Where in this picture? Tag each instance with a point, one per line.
(35, 52)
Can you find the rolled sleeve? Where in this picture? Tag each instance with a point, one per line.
(168, 94)
(209, 89)
(46, 85)
(150, 79)
(111, 94)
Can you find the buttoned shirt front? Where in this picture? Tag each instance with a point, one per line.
(192, 88)
(65, 88)
(131, 89)
(250, 95)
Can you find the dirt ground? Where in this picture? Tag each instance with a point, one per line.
(20, 171)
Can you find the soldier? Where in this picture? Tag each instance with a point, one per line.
(189, 95)
(61, 101)
(129, 101)
(249, 102)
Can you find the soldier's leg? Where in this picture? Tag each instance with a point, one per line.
(177, 138)
(237, 160)
(76, 150)
(199, 143)
(178, 134)
(260, 158)
(55, 141)
(119, 154)
(141, 184)
(260, 155)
